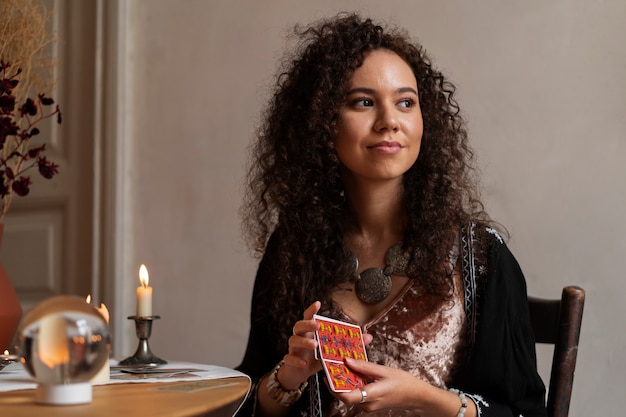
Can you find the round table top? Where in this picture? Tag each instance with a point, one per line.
(211, 397)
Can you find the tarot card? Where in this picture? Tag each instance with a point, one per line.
(338, 340)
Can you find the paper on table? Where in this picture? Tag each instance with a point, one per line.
(14, 376)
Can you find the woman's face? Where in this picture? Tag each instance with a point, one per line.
(379, 128)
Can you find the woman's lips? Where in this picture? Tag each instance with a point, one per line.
(386, 147)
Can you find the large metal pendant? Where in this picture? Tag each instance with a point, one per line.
(397, 260)
(373, 286)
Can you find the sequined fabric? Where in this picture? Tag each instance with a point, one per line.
(421, 334)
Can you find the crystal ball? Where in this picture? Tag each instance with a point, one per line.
(63, 340)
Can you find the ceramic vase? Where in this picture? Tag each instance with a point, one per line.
(10, 308)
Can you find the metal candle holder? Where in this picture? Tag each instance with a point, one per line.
(143, 355)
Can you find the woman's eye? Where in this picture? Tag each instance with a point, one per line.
(363, 102)
(407, 103)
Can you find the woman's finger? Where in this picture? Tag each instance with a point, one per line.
(296, 361)
(308, 325)
(302, 342)
(359, 396)
(311, 310)
(370, 370)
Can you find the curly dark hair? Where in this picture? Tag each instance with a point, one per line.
(294, 180)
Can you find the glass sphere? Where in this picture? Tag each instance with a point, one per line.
(63, 340)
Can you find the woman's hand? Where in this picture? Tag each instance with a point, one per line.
(300, 362)
(388, 387)
(395, 388)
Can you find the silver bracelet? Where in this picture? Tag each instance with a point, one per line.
(463, 399)
(280, 394)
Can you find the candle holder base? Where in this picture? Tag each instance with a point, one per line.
(143, 355)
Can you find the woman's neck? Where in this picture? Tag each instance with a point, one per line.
(377, 214)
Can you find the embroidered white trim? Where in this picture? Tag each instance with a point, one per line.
(479, 401)
(469, 280)
(496, 234)
(315, 401)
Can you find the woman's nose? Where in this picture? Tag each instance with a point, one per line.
(386, 119)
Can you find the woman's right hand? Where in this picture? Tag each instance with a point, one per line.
(300, 362)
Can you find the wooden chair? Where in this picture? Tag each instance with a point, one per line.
(558, 322)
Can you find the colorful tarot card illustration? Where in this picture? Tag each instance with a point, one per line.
(341, 378)
(338, 340)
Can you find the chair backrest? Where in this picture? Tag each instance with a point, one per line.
(558, 322)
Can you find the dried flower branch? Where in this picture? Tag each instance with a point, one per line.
(24, 67)
(16, 130)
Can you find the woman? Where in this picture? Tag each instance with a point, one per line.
(365, 208)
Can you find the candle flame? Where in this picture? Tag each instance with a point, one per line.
(6, 352)
(104, 311)
(143, 275)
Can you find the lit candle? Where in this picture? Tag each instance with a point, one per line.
(144, 294)
(104, 311)
(53, 346)
(8, 357)
(104, 374)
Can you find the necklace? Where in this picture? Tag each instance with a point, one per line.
(373, 285)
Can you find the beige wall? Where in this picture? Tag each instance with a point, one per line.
(541, 83)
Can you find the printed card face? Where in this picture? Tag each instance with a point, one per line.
(338, 340)
(341, 378)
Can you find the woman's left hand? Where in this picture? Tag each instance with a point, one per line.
(389, 387)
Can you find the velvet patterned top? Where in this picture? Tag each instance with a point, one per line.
(491, 355)
(421, 334)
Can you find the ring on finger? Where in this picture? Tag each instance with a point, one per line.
(363, 396)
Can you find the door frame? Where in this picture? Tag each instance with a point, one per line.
(112, 277)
